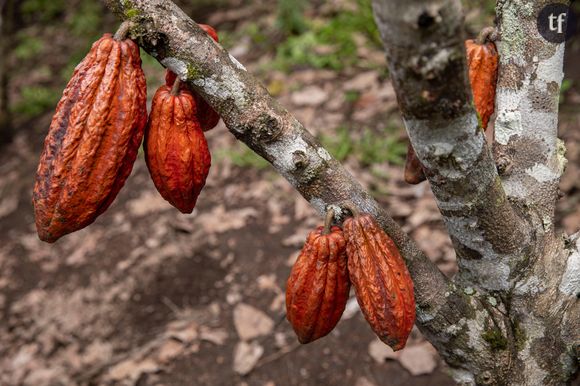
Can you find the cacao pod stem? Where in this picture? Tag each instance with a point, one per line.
(123, 30)
(328, 221)
(351, 207)
(486, 34)
(175, 88)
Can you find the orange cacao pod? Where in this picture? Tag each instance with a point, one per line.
(207, 117)
(382, 283)
(176, 150)
(318, 286)
(482, 61)
(93, 139)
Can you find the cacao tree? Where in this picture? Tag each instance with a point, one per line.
(511, 315)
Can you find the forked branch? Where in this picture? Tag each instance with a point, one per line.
(255, 118)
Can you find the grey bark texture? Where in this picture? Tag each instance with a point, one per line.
(511, 315)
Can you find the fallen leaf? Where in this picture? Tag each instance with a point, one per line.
(250, 322)
(380, 352)
(309, 96)
(246, 355)
(419, 359)
(216, 336)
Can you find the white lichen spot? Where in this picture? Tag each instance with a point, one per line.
(318, 204)
(507, 124)
(541, 173)
(463, 377)
(227, 86)
(570, 284)
(453, 329)
(469, 291)
(551, 69)
(177, 66)
(337, 211)
(474, 328)
(534, 329)
(282, 153)
(491, 300)
(236, 63)
(323, 154)
(532, 285)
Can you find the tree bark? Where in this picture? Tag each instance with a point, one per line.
(473, 322)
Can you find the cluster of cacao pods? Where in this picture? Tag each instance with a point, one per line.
(96, 132)
(362, 255)
(482, 64)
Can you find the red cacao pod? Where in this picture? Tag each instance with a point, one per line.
(93, 139)
(482, 62)
(176, 150)
(318, 286)
(382, 283)
(207, 117)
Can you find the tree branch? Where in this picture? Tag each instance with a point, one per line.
(255, 118)
(526, 126)
(426, 57)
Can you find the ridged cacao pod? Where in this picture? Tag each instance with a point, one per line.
(176, 150)
(382, 283)
(93, 139)
(482, 61)
(318, 286)
(207, 117)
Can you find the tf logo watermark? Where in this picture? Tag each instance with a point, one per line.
(557, 22)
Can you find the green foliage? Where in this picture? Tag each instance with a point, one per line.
(242, 156)
(378, 149)
(330, 43)
(566, 85)
(86, 21)
(290, 20)
(45, 10)
(340, 145)
(369, 148)
(35, 100)
(28, 46)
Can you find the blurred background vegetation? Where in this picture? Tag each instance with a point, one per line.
(43, 40)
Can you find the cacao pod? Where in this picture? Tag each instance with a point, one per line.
(93, 139)
(207, 117)
(176, 150)
(482, 62)
(318, 286)
(413, 170)
(382, 283)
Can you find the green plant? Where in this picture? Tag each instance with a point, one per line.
(35, 100)
(330, 43)
(241, 156)
(28, 46)
(290, 20)
(340, 145)
(374, 149)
